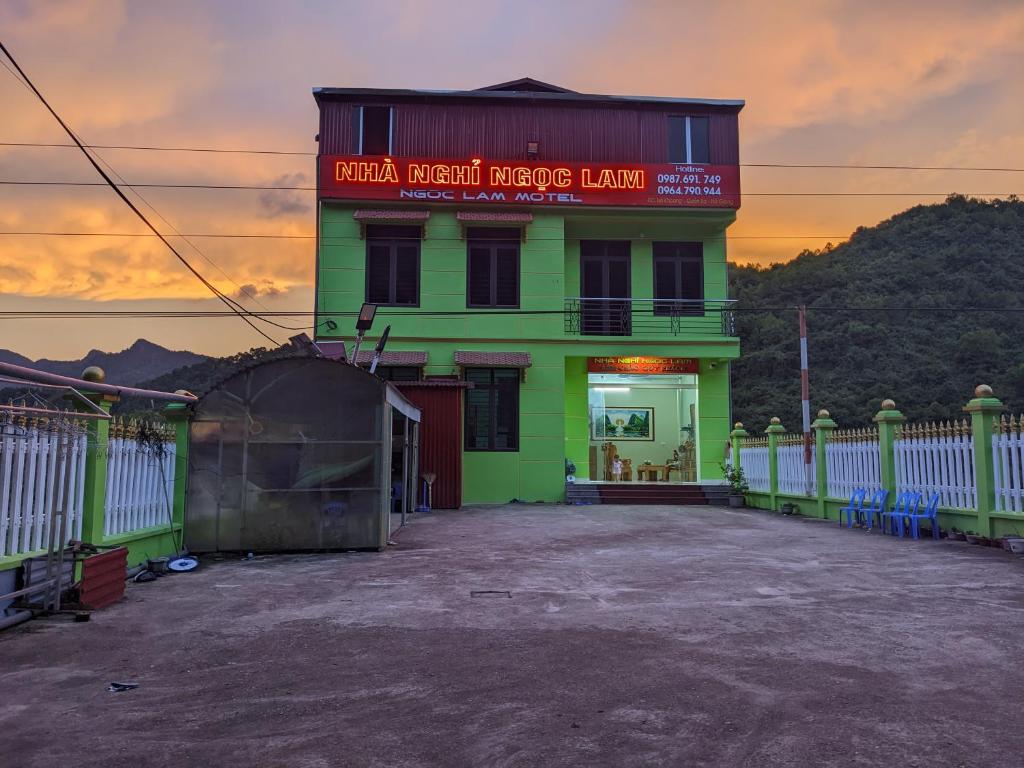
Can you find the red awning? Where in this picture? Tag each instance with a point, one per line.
(386, 215)
(407, 359)
(493, 359)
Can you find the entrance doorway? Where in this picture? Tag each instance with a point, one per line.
(649, 421)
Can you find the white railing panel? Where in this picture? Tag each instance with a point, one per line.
(140, 478)
(853, 460)
(792, 470)
(1008, 460)
(937, 459)
(35, 461)
(754, 463)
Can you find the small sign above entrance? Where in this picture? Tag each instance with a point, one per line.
(651, 365)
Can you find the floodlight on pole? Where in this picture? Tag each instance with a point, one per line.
(363, 324)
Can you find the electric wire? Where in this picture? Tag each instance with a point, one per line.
(475, 313)
(293, 188)
(213, 289)
(138, 194)
(325, 238)
(294, 153)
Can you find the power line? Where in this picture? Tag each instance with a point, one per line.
(293, 153)
(328, 238)
(395, 312)
(213, 289)
(288, 188)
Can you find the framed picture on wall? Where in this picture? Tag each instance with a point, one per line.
(622, 424)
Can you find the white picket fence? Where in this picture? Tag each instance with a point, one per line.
(792, 470)
(1008, 460)
(37, 463)
(937, 458)
(140, 477)
(853, 461)
(754, 463)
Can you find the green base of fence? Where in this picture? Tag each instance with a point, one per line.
(142, 545)
(1003, 523)
(147, 543)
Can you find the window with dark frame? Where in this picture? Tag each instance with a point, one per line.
(492, 409)
(372, 130)
(399, 372)
(689, 139)
(393, 265)
(678, 279)
(492, 266)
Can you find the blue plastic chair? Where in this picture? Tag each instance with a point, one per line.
(930, 513)
(874, 510)
(855, 508)
(907, 503)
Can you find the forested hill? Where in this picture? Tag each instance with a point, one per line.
(873, 332)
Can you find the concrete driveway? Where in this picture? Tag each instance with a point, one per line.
(633, 637)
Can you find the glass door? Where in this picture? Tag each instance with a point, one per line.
(605, 305)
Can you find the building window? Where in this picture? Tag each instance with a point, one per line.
(492, 267)
(373, 130)
(689, 140)
(492, 409)
(678, 278)
(398, 372)
(393, 265)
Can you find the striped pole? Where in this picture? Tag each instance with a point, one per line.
(805, 398)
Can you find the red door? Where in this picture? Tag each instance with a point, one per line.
(440, 436)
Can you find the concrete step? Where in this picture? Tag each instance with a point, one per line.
(634, 493)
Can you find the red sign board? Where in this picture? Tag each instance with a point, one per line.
(643, 365)
(415, 179)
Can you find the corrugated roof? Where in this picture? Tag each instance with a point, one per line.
(471, 216)
(493, 359)
(500, 95)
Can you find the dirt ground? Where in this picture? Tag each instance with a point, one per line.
(633, 637)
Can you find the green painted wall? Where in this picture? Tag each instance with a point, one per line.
(553, 397)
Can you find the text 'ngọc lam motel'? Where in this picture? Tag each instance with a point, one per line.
(552, 266)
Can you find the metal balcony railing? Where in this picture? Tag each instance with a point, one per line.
(649, 317)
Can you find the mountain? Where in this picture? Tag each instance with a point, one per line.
(886, 318)
(143, 360)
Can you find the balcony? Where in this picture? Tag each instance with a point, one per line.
(649, 317)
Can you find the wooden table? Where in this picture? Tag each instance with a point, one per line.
(651, 470)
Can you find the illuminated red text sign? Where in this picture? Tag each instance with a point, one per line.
(642, 365)
(359, 177)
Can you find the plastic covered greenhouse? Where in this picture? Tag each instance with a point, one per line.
(301, 453)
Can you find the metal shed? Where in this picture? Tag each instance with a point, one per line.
(300, 453)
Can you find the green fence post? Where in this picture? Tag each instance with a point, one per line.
(984, 408)
(178, 415)
(736, 436)
(736, 440)
(888, 419)
(773, 431)
(822, 426)
(94, 499)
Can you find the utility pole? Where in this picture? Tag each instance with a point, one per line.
(805, 399)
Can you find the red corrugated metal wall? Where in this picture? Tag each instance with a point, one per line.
(501, 131)
(440, 438)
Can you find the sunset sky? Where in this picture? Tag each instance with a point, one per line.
(914, 83)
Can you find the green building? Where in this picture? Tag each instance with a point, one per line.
(563, 253)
